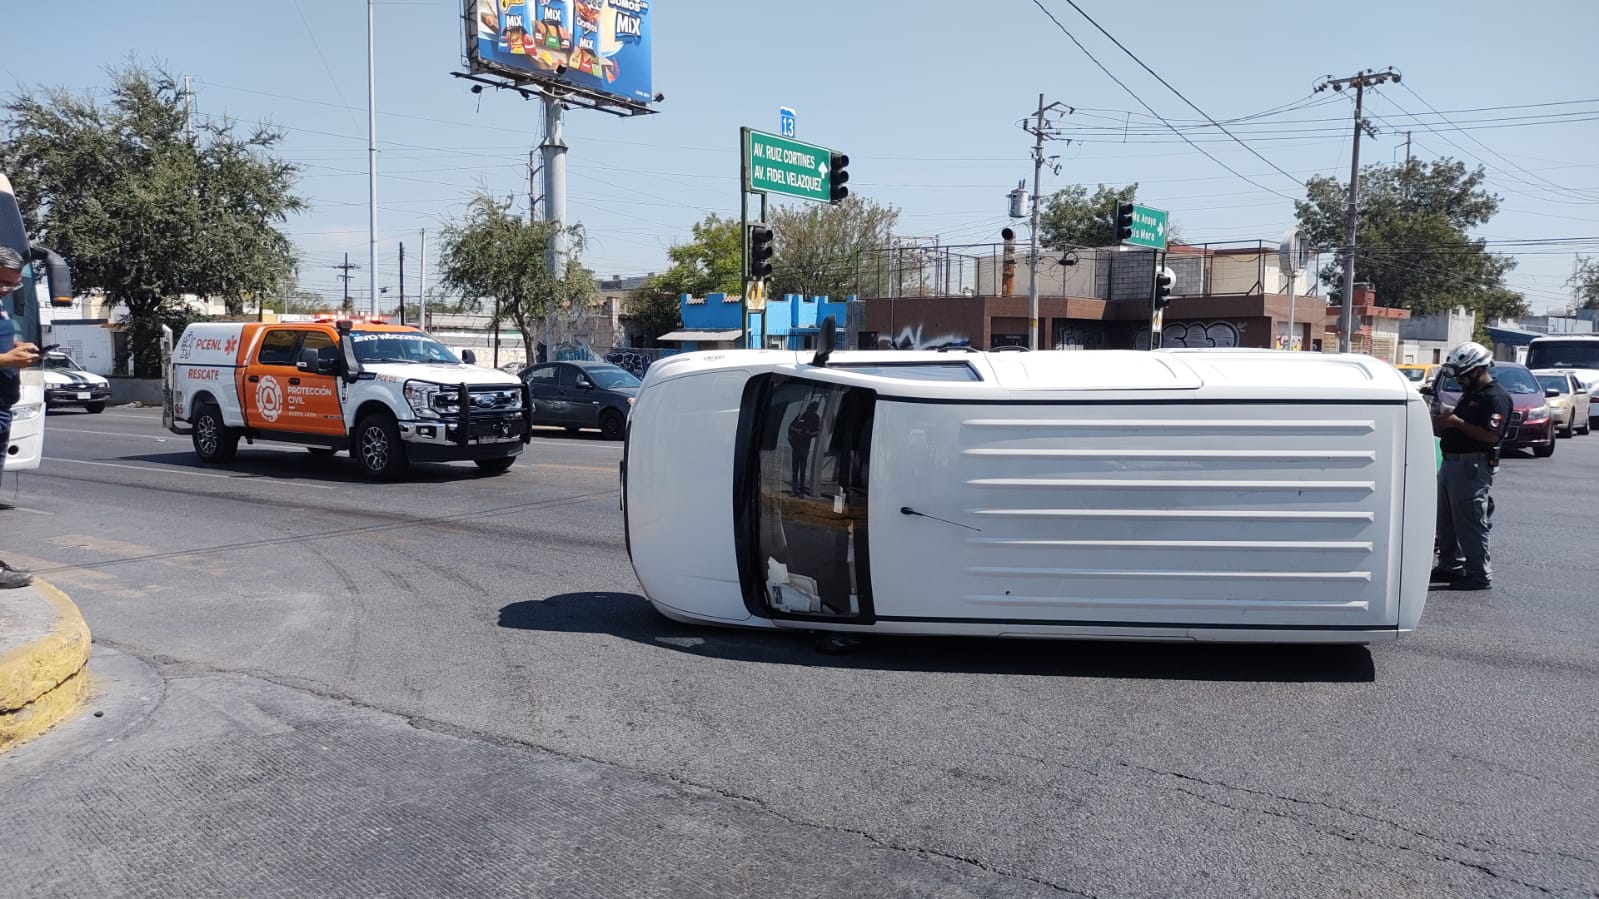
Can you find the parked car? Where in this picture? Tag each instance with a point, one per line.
(1419, 375)
(1531, 421)
(577, 395)
(1568, 399)
(66, 383)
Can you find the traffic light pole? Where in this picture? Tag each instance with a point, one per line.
(744, 238)
(1157, 314)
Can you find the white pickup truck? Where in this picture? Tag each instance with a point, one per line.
(389, 394)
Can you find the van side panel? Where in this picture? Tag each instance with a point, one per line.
(682, 436)
(1180, 514)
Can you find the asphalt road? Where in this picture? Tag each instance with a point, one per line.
(459, 635)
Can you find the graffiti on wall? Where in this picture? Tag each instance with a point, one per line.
(1075, 337)
(911, 338)
(1195, 334)
(635, 361)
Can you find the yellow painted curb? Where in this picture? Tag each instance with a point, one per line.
(29, 672)
(43, 713)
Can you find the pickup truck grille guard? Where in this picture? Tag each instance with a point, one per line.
(464, 409)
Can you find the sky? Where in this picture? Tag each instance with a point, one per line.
(926, 98)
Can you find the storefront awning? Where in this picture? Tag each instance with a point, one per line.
(709, 336)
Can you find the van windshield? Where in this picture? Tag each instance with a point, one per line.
(1563, 354)
(400, 346)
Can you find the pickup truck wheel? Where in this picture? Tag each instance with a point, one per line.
(378, 448)
(94, 408)
(496, 466)
(214, 442)
(612, 425)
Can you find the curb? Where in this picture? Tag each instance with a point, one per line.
(43, 682)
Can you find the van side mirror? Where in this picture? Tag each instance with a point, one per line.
(469, 357)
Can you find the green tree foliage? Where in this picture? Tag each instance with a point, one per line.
(1586, 282)
(656, 309)
(496, 256)
(708, 262)
(142, 211)
(827, 250)
(1071, 217)
(1412, 237)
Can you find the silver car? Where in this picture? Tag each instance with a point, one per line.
(1569, 402)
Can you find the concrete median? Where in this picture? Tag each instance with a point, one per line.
(43, 650)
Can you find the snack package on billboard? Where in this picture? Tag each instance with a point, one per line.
(513, 33)
(611, 70)
(555, 28)
(488, 18)
(588, 16)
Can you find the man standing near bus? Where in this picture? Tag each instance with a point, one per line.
(1469, 436)
(14, 355)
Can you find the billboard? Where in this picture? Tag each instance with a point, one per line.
(601, 47)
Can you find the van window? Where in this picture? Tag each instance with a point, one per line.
(277, 348)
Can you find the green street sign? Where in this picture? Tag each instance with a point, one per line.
(782, 165)
(1149, 228)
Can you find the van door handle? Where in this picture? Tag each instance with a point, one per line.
(254, 379)
(294, 380)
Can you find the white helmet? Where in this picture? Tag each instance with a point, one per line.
(1466, 357)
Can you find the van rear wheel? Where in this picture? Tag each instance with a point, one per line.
(378, 449)
(214, 442)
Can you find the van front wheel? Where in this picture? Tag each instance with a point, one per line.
(378, 449)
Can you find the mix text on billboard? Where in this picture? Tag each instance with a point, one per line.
(600, 46)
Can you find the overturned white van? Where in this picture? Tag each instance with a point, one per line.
(1221, 495)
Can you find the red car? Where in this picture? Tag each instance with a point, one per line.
(1531, 423)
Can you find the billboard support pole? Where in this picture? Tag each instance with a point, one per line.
(554, 149)
(372, 157)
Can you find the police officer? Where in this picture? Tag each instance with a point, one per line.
(1469, 437)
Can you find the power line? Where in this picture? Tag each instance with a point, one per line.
(1151, 109)
(1180, 96)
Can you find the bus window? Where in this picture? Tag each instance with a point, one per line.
(1555, 352)
(812, 445)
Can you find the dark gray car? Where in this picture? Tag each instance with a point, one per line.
(577, 395)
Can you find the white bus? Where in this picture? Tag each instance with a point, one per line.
(1220, 495)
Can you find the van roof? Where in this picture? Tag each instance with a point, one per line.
(1224, 373)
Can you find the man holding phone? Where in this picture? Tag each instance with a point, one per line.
(14, 355)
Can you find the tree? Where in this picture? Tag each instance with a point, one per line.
(656, 309)
(496, 255)
(1412, 237)
(831, 250)
(1071, 218)
(1586, 282)
(145, 212)
(709, 262)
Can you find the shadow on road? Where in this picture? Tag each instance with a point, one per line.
(552, 432)
(631, 617)
(302, 465)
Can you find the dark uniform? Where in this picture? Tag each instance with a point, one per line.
(1464, 482)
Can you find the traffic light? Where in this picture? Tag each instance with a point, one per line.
(1163, 283)
(761, 250)
(1124, 221)
(836, 165)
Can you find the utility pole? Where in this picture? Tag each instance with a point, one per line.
(188, 107)
(1040, 132)
(402, 282)
(422, 286)
(533, 170)
(1359, 81)
(1407, 148)
(346, 268)
(554, 149)
(371, 154)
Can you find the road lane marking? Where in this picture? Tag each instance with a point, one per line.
(112, 434)
(192, 474)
